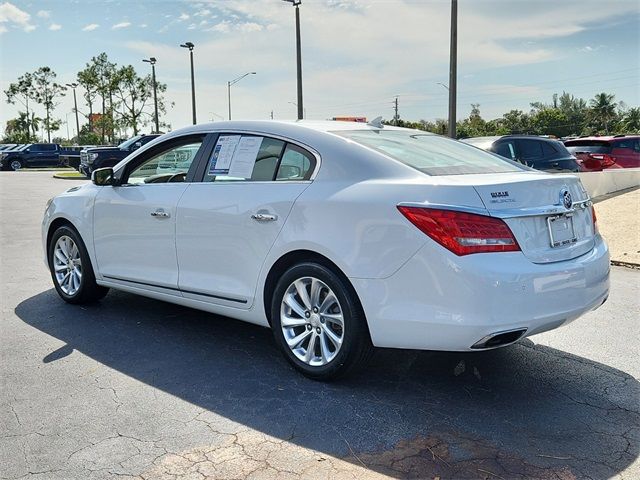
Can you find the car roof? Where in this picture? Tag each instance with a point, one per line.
(604, 138)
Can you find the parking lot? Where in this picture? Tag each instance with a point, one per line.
(136, 388)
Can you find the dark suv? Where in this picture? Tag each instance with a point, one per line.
(537, 152)
(100, 157)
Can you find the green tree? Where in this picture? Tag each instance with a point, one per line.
(102, 75)
(23, 91)
(630, 122)
(87, 79)
(19, 130)
(603, 110)
(550, 121)
(47, 90)
(515, 121)
(136, 98)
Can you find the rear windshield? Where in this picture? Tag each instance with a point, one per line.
(431, 154)
(590, 146)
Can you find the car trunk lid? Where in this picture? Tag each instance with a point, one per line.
(548, 214)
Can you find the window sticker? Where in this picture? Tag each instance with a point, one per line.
(244, 157)
(223, 155)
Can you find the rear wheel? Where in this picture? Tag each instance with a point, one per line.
(318, 322)
(71, 268)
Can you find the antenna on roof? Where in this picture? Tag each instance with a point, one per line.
(376, 122)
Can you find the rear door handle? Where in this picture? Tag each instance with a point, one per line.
(160, 213)
(264, 217)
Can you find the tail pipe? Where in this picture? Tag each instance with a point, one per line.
(499, 339)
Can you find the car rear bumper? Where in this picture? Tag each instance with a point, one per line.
(438, 301)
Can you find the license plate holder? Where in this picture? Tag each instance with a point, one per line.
(561, 230)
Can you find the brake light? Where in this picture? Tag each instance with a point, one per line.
(595, 222)
(462, 233)
(607, 160)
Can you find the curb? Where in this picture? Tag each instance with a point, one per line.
(618, 263)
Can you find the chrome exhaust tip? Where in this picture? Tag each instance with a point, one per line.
(499, 339)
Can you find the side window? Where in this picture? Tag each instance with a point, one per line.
(169, 165)
(626, 144)
(548, 150)
(296, 164)
(505, 149)
(530, 150)
(237, 158)
(35, 148)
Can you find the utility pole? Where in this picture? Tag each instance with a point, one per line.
(233, 82)
(75, 106)
(395, 117)
(297, 3)
(190, 46)
(453, 56)
(152, 61)
(271, 114)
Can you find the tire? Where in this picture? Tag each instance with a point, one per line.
(75, 280)
(16, 165)
(326, 359)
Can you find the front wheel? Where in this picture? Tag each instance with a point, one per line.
(16, 165)
(71, 268)
(318, 322)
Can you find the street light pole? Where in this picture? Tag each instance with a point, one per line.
(75, 106)
(190, 46)
(296, 4)
(453, 58)
(152, 61)
(233, 82)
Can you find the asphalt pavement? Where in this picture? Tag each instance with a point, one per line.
(136, 388)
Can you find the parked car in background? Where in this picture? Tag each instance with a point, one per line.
(7, 146)
(339, 236)
(598, 153)
(100, 157)
(72, 157)
(541, 153)
(33, 155)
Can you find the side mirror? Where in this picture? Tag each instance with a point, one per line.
(136, 146)
(102, 176)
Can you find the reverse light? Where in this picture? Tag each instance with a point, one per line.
(460, 232)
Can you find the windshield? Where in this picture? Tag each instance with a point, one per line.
(127, 143)
(431, 154)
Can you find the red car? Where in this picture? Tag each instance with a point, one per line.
(597, 153)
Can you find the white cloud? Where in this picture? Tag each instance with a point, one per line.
(250, 27)
(11, 14)
(90, 28)
(3, 29)
(143, 25)
(55, 26)
(120, 25)
(43, 14)
(202, 13)
(183, 17)
(193, 26)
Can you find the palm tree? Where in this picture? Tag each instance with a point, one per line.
(631, 121)
(603, 109)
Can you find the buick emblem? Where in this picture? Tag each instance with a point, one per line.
(565, 198)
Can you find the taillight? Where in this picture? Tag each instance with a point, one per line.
(607, 160)
(595, 222)
(462, 233)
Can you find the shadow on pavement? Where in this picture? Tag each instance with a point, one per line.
(525, 410)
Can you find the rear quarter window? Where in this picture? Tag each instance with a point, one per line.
(431, 154)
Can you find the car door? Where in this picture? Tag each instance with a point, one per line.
(227, 223)
(626, 152)
(134, 223)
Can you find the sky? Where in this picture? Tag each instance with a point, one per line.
(357, 55)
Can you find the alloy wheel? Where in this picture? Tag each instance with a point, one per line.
(312, 321)
(67, 265)
(16, 165)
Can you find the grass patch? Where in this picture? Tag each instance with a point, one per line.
(70, 175)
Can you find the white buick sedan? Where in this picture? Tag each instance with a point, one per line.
(338, 236)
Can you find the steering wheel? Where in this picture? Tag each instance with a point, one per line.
(175, 176)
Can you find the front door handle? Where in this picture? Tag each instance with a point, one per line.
(160, 213)
(264, 217)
